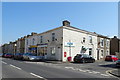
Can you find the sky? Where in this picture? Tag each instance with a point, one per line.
(22, 18)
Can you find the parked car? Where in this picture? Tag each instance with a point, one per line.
(83, 58)
(18, 56)
(8, 55)
(118, 63)
(111, 58)
(32, 57)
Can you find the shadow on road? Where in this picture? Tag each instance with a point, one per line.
(112, 65)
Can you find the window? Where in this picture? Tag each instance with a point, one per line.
(41, 39)
(102, 53)
(33, 41)
(107, 43)
(102, 42)
(53, 36)
(90, 39)
(83, 39)
(52, 50)
(90, 51)
(107, 53)
(27, 41)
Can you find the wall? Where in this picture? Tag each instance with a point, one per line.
(70, 34)
(47, 38)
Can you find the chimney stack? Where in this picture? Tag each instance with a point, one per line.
(33, 33)
(66, 23)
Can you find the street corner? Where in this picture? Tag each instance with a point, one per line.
(114, 72)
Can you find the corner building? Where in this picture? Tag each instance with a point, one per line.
(62, 42)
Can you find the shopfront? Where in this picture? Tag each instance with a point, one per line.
(42, 49)
(33, 49)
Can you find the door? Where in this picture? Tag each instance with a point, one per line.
(97, 54)
(59, 54)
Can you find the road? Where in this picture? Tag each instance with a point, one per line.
(48, 71)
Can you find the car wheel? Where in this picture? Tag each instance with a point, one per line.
(93, 61)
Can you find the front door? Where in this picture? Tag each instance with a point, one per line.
(97, 54)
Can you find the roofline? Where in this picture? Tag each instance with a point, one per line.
(80, 30)
(50, 30)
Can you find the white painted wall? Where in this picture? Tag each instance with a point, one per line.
(30, 42)
(57, 44)
(76, 37)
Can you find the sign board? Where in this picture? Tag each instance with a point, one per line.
(69, 44)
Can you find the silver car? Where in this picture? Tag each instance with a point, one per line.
(32, 57)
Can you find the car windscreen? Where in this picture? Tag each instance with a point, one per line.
(85, 55)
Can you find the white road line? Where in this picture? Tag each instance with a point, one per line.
(69, 67)
(104, 75)
(15, 67)
(36, 75)
(82, 70)
(95, 72)
(4, 62)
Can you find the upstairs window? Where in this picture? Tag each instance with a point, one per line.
(90, 39)
(102, 42)
(27, 41)
(53, 36)
(107, 43)
(33, 41)
(41, 39)
(83, 39)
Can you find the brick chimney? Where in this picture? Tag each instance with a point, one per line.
(33, 33)
(66, 23)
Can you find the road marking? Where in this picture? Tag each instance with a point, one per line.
(15, 67)
(104, 75)
(36, 75)
(95, 72)
(82, 70)
(69, 67)
(4, 62)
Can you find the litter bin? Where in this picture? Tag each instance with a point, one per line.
(69, 59)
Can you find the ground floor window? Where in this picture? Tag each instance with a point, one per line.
(42, 51)
(107, 53)
(52, 50)
(90, 51)
(102, 53)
